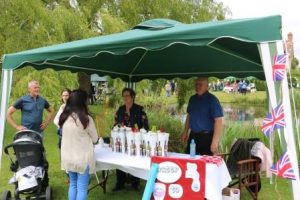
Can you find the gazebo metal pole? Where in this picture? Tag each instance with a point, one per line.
(6, 82)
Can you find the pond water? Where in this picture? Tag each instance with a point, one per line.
(241, 113)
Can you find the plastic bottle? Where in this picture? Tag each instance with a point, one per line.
(193, 149)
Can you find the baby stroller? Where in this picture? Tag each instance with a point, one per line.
(30, 167)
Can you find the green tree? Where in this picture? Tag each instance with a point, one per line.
(37, 23)
(294, 63)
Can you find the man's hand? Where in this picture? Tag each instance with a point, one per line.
(214, 148)
(44, 125)
(21, 128)
(217, 135)
(184, 137)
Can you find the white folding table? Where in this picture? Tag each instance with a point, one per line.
(217, 177)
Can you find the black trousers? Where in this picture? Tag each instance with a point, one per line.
(203, 141)
(122, 177)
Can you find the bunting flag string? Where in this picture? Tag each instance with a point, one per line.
(273, 120)
(279, 68)
(283, 167)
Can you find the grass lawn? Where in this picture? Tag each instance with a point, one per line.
(258, 98)
(60, 187)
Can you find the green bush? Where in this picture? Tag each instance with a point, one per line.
(235, 130)
(114, 100)
(260, 85)
(171, 125)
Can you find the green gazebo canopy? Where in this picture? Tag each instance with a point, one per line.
(162, 48)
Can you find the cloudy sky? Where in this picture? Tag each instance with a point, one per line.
(288, 9)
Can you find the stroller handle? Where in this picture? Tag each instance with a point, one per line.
(18, 134)
(32, 133)
(6, 148)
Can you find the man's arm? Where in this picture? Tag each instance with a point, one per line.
(217, 135)
(11, 120)
(48, 119)
(185, 135)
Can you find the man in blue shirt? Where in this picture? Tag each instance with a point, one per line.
(204, 120)
(32, 107)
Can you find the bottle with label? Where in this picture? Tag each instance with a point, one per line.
(141, 149)
(144, 148)
(112, 143)
(193, 149)
(132, 148)
(159, 149)
(120, 145)
(126, 146)
(148, 150)
(165, 149)
(117, 145)
(136, 127)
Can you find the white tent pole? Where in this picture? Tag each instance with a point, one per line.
(289, 130)
(6, 82)
(267, 65)
(293, 100)
(295, 110)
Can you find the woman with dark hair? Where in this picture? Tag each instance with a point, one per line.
(130, 115)
(77, 151)
(64, 97)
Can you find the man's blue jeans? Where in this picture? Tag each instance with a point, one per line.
(79, 185)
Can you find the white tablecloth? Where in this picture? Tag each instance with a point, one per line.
(217, 177)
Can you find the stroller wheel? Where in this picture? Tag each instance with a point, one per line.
(48, 193)
(6, 195)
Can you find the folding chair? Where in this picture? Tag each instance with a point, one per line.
(247, 172)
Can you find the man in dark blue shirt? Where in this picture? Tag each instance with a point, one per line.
(32, 107)
(204, 120)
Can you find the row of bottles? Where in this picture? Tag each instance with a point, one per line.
(139, 143)
(144, 149)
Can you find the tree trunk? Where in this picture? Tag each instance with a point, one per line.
(84, 81)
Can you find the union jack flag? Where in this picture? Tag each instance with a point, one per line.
(283, 167)
(279, 67)
(274, 120)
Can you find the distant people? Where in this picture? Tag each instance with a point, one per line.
(243, 87)
(32, 106)
(203, 121)
(92, 94)
(64, 97)
(214, 86)
(218, 85)
(173, 87)
(77, 150)
(240, 86)
(130, 114)
(235, 87)
(168, 89)
(221, 87)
